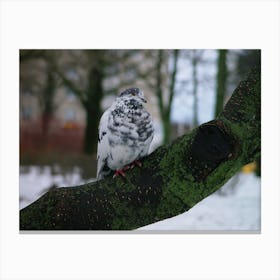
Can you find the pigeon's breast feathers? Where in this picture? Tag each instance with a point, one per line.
(130, 120)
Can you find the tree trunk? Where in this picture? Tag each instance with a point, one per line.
(159, 94)
(221, 81)
(195, 85)
(93, 110)
(91, 129)
(165, 109)
(171, 180)
(166, 129)
(170, 99)
(48, 106)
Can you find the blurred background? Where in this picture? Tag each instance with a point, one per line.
(63, 94)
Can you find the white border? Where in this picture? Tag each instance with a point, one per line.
(128, 24)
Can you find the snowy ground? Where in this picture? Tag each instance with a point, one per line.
(235, 207)
(34, 181)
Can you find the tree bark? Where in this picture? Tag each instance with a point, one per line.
(171, 180)
(165, 109)
(221, 82)
(90, 96)
(48, 105)
(195, 86)
(93, 109)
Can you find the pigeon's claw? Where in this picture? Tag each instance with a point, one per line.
(121, 172)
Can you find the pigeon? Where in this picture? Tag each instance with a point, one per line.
(125, 134)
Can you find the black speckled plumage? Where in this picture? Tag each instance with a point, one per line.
(125, 132)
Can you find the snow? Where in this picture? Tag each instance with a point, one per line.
(34, 181)
(237, 207)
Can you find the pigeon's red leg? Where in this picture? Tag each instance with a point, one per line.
(121, 172)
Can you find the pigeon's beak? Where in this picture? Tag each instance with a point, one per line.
(144, 100)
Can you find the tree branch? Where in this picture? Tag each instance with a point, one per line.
(173, 80)
(68, 83)
(171, 181)
(159, 84)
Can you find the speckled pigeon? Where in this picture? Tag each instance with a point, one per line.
(125, 134)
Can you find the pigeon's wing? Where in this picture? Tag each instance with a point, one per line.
(103, 144)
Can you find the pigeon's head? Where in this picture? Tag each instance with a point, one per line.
(133, 93)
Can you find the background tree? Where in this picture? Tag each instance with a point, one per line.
(221, 81)
(246, 59)
(38, 77)
(83, 73)
(165, 107)
(48, 99)
(195, 57)
(192, 62)
(239, 63)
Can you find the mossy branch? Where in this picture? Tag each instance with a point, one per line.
(171, 181)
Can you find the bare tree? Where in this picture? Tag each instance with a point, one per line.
(165, 107)
(38, 77)
(83, 73)
(221, 81)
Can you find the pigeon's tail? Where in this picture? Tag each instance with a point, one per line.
(103, 172)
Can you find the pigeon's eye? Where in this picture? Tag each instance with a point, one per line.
(133, 93)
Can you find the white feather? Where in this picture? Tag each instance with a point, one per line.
(103, 144)
(122, 138)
